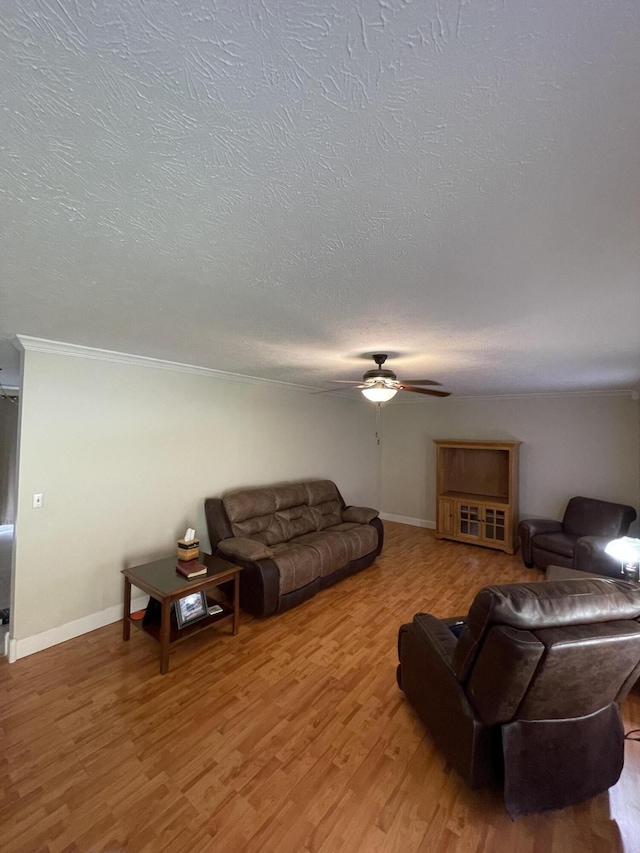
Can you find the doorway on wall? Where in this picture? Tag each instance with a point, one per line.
(8, 460)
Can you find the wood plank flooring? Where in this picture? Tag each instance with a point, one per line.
(291, 737)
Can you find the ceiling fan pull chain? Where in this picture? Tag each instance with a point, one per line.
(378, 424)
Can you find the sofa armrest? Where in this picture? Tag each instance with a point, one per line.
(590, 556)
(217, 521)
(531, 527)
(259, 585)
(245, 549)
(359, 514)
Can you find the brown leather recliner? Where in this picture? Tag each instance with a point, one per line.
(530, 692)
(545, 542)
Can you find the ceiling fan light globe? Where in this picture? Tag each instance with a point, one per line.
(379, 394)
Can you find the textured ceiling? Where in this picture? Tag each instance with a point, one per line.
(273, 188)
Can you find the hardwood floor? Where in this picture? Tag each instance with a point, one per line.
(292, 736)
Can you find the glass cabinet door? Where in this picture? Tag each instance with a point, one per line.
(495, 524)
(469, 520)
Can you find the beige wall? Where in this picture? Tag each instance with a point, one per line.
(125, 455)
(571, 445)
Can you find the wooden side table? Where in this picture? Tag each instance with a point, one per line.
(162, 582)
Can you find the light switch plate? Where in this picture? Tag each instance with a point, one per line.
(38, 500)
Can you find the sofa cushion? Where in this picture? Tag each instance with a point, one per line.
(558, 543)
(254, 513)
(321, 491)
(296, 521)
(362, 540)
(263, 528)
(325, 502)
(249, 503)
(280, 513)
(337, 548)
(332, 548)
(298, 565)
(327, 514)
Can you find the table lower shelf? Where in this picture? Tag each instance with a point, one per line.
(151, 621)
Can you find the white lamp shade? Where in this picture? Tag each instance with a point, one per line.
(379, 394)
(626, 549)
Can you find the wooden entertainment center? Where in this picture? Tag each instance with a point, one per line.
(477, 492)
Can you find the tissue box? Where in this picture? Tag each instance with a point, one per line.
(188, 550)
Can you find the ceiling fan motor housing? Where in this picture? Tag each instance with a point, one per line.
(380, 385)
(380, 373)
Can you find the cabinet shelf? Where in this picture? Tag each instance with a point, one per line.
(477, 492)
(473, 497)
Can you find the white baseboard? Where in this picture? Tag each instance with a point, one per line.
(31, 645)
(405, 519)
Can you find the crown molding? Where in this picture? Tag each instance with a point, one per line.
(30, 344)
(625, 392)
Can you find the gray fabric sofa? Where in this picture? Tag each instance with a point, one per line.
(291, 541)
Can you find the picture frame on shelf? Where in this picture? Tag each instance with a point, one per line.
(191, 608)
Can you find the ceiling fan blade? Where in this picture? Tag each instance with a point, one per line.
(422, 382)
(415, 390)
(347, 381)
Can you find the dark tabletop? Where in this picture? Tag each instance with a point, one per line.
(163, 577)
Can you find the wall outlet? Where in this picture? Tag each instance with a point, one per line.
(38, 500)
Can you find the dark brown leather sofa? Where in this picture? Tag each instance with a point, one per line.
(529, 694)
(546, 542)
(291, 541)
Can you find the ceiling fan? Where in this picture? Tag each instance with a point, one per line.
(380, 384)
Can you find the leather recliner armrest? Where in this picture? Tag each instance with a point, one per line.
(245, 549)
(359, 514)
(531, 527)
(427, 678)
(438, 634)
